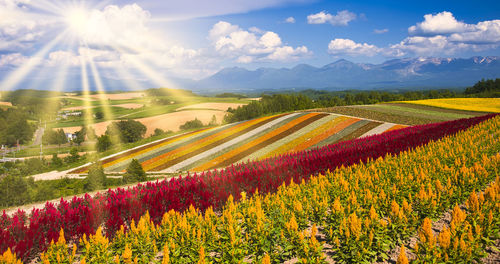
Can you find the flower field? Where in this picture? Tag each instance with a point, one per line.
(250, 140)
(359, 210)
(491, 105)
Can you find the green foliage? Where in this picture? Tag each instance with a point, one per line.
(213, 121)
(55, 137)
(135, 172)
(99, 115)
(73, 156)
(155, 92)
(485, 88)
(192, 124)
(80, 136)
(158, 132)
(230, 95)
(127, 130)
(13, 191)
(103, 143)
(96, 178)
(56, 162)
(14, 126)
(308, 99)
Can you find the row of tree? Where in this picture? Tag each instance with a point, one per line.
(15, 189)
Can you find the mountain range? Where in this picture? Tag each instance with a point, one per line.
(422, 72)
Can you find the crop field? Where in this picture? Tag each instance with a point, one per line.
(378, 198)
(136, 105)
(250, 140)
(468, 104)
(405, 113)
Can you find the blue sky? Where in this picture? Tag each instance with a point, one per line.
(59, 43)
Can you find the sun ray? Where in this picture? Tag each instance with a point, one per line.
(108, 114)
(87, 118)
(46, 6)
(18, 75)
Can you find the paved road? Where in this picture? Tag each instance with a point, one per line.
(38, 136)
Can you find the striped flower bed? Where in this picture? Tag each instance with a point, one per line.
(250, 140)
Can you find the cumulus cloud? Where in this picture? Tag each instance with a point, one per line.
(290, 20)
(18, 28)
(486, 32)
(442, 33)
(438, 24)
(349, 47)
(247, 46)
(380, 31)
(12, 59)
(342, 18)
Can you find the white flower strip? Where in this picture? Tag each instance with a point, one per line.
(207, 153)
(378, 129)
(285, 140)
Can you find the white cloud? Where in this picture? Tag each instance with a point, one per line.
(290, 20)
(442, 33)
(426, 46)
(12, 59)
(18, 28)
(349, 47)
(342, 18)
(380, 31)
(439, 24)
(231, 41)
(486, 32)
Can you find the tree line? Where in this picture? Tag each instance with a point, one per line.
(308, 99)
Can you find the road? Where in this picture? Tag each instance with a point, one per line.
(38, 136)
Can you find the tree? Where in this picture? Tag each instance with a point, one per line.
(158, 132)
(90, 132)
(73, 155)
(13, 191)
(96, 178)
(99, 115)
(80, 136)
(55, 137)
(56, 161)
(126, 130)
(191, 124)
(135, 172)
(213, 121)
(103, 143)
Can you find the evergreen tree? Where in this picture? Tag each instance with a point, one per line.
(96, 178)
(135, 172)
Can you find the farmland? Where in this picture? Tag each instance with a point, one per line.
(249, 140)
(319, 205)
(403, 113)
(467, 104)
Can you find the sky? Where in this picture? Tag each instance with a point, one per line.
(80, 44)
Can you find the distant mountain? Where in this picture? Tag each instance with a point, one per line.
(422, 72)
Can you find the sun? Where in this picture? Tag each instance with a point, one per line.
(77, 20)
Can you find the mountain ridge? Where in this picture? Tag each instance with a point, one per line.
(341, 74)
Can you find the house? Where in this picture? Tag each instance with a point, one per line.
(70, 136)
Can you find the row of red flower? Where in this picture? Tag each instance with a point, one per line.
(29, 235)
